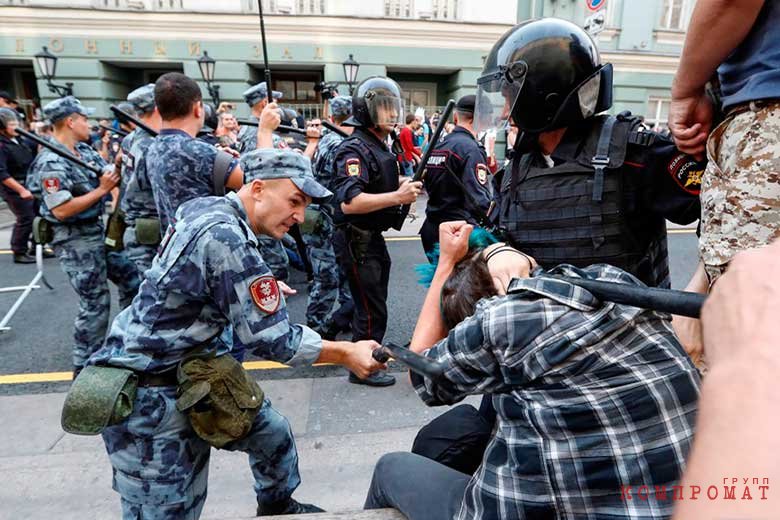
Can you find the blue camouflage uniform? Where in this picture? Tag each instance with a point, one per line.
(328, 284)
(79, 240)
(207, 279)
(137, 197)
(272, 250)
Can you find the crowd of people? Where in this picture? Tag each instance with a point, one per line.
(583, 400)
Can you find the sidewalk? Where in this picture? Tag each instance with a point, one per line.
(340, 431)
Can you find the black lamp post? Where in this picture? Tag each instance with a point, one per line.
(350, 72)
(207, 64)
(47, 64)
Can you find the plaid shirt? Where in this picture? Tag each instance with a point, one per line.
(590, 396)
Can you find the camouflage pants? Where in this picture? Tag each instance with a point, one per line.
(274, 257)
(740, 191)
(141, 255)
(89, 266)
(324, 288)
(161, 467)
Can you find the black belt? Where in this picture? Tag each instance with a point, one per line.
(78, 223)
(168, 378)
(751, 106)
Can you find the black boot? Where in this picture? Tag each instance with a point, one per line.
(287, 507)
(24, 258)
(375, 379)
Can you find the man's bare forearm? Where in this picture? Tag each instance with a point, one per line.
(717, 27)
(430, 326)
(78, 204)
(370, 202)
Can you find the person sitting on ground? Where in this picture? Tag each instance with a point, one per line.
(590, 396)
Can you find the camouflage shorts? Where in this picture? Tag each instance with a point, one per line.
(740, 192)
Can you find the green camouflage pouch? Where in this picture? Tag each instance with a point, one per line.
(115, 231)
(312, 220)
(43, 232)
(99, 397)
(147, 231)
(219, 397)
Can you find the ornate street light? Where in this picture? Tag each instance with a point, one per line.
(207, 64)
(47, 64)
(350, 72)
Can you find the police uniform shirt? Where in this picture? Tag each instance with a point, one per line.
(137, 197)
(207, 275)
(180, 168)
(15, 159)
(363, 163)
(58, 181)
(247, 138)
(461, 154)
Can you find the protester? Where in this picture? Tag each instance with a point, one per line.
(411, 155)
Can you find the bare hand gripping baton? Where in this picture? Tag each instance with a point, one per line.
(420, 364)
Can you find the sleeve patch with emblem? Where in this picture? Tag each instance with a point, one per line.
(51, 185)
(686, 172)
(265, 294)
(482, 174)
(353, 167)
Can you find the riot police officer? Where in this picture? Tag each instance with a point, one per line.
(257, 99)
(368, 197)
(583, 187)
(457, 177)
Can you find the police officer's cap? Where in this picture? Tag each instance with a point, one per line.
(142, 98)
(255, 94)
(270, 163)
(466, 103)
(63, 107)
(341, 106)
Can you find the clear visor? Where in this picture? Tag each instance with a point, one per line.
(385, 110)
(495, 98)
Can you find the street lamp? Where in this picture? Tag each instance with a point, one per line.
(350, 72)
(47, 64)
(207, 64)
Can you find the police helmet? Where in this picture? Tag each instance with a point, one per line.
(377, 101)
(545, 74)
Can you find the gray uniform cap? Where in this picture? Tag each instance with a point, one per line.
(269, 163)
(341, 106)
(142, 98)
(257, 93)
(63, 107)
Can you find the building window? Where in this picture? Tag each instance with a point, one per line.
(311, 7)
(675, 14)
(445, 9)
(399, 8)
(657, 117)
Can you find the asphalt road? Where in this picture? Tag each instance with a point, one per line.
(40, 339)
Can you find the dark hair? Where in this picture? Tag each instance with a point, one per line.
(469, 282)
(174, 94)
(410, 118)
(465, 115)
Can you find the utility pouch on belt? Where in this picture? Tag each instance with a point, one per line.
(147, 231)
(312, 221)
(359, 240)
(43, 232)
(115, 231)
(219, 397)
(99, 397)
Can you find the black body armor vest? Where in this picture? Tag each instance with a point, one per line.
(586, 210)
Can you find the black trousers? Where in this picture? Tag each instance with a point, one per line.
(429, 233)
(369, 276)
(419, 488)
(24, 210)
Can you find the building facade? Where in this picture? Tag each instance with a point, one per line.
(433, 48)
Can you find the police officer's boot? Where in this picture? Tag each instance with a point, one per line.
(375, 379)
(289, 506)
(23, 258)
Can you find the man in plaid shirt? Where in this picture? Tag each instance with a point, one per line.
(591, 397)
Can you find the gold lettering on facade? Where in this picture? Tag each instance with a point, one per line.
(159, 48)
(318, 55)
(19, 45)
(56, 45)
(125, 47)
(91, 46)
(258, 51)
(287, 54)
(194, 48)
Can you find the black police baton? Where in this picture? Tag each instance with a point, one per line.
(415, 362)
(124, 116)
(116, 131)
(333, 128)
(420, 173)
(280, 128)
(59, 151)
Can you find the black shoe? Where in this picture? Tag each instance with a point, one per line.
(375, 379)
(287, 507)
(24, 258)
(76, 371)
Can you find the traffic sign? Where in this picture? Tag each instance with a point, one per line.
(595, 23)
(595, 5)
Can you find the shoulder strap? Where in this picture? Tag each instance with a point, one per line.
(221, 164)
(601, 159)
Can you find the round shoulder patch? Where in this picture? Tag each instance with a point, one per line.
(51, 185)
(265, 293)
